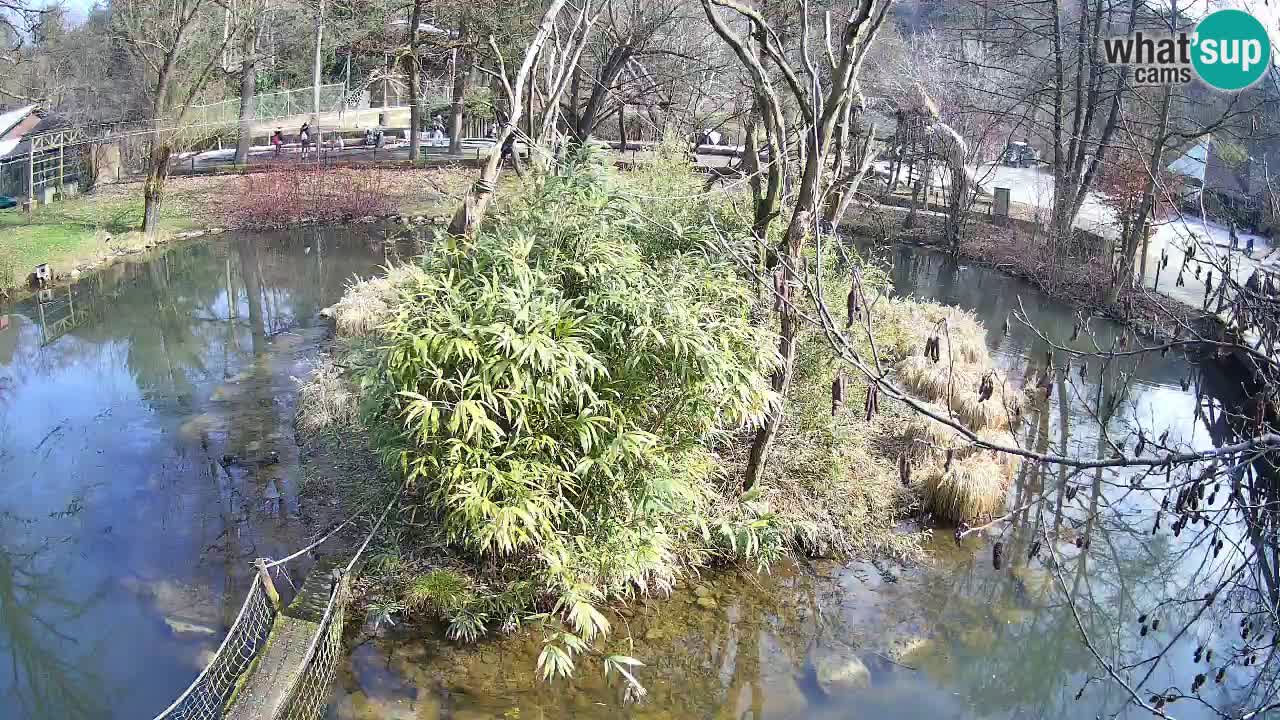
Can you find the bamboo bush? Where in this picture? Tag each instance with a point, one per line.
(551, 394)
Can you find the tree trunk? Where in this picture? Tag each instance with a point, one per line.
(585, 122)
(461, 71)
(764, 438)
(471, 212)
(1137, 236)
(802, 218)
(315, 75)
(153, 188)
(411, 67)
(248, 88)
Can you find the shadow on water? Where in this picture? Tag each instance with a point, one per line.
(957, 639)
(142, 411)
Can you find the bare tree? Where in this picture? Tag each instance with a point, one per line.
(631, 30)
(822, 100)
(178, 42)
(471, 212)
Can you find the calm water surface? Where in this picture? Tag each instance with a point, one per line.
(124, 541)
(955, 640)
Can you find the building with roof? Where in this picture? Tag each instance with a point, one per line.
(27, 170)
(1231, 180)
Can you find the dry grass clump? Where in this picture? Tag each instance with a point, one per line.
(962, 338)
(327, 400)
(957, 387)
(366, 304)
(956, 479)
(972, 487)
(928, 440)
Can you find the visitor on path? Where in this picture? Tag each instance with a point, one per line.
(1235, 239)
(508, 148)
(277, 142)
(1248, 248)
(437, 130)
(304, 136)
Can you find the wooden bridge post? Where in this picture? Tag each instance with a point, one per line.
(267, 584)
(31, 175)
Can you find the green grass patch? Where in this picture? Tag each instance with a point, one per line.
(72, 231)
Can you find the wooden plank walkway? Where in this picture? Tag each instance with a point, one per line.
(280, 663)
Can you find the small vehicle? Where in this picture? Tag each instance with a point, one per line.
(1019, 154)
(7, 202)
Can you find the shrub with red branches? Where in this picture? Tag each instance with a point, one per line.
(295, 191)
(1123, 183)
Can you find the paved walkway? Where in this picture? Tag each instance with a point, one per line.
(1033, 188)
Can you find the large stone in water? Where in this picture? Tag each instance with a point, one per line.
(359, 706)
(839, 669)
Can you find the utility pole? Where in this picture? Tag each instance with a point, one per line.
(315, 88)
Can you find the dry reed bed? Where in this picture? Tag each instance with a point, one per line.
(366, 304)
(957, 481)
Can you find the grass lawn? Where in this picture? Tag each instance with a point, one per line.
(65, 234)
(69, 233)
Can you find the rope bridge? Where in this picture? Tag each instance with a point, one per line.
(276, 663)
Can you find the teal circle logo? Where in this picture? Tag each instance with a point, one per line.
(1232, 50)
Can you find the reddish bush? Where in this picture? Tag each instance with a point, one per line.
(294, 191)
(1123, 183)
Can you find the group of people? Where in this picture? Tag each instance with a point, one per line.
(304, 139)
(374, 137)
(1235, 240)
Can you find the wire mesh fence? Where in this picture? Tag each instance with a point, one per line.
(207, 697)
(309, 695)
(270, 105)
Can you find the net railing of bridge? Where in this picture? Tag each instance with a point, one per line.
(268, 106)
(309, 696)
(210, 695)
(207, 697)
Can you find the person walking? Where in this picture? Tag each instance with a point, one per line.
(304, 136)
(277, 142)
(437, 130)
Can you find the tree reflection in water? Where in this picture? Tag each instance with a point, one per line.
(37, 617)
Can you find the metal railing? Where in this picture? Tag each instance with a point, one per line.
(213, 691)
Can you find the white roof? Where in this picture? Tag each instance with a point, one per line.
(13, 117)
(1192, 163)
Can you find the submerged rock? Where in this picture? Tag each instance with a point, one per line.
(839, 669)
(359, 706)
(184, 627)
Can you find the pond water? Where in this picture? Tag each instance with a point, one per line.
(957, 639)
(125, 539)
